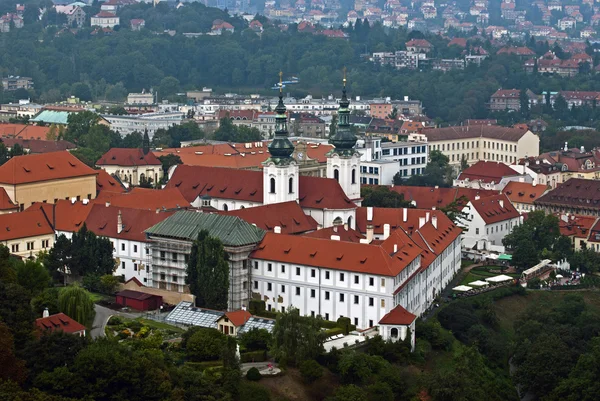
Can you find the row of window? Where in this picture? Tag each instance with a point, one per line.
(370, 170)
(174, 256)
(371, 181)
(326, 294)
(30, 245)
(313, 274)
(475, 145)
(78, 197)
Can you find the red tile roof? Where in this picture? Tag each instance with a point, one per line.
(5, 202)
(477, 131)
(59, 322)
(523, 192)
(418, 43)
(137, 295)
(103, 221)
(491, 210)
(105, 14)
(106, 182)
(576, 193)
(64, 215)
(128, 158)
(34, 146)
(430, 197)
(43, 167)
(398, 316)
(487, 172)
(346, 234)
(23, 131)
(577, 226)
(144, 198)
(287, 215)
(247, 185)
(338, 255)
(24, 225)
(238, 317)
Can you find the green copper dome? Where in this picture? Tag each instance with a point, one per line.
(343, 139)
(281, 148)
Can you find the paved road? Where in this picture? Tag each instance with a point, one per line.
(102, 315)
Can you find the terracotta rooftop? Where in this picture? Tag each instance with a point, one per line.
(576, 192)
(477, 131)
(43, 167)
(488, 172)
(238, 317)
(128, 158)
(23, 131)
(337, 255)
(24, 225)
(5, 202)
(34, 146)
(106, 182)
(140, 296)
(494, 209)
(287, 215)
(523, 192)
(64, 215)
(577, 226)
(398, 316)
(59, 322)
(345, 233)
(144, 198)
(430, 197)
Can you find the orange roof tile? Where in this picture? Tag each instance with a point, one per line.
(64, 215)
(33, 132)
(430, 197)
(398, 316)
(523, 192)
(238, 317)
(338, 255)
(345, 234)
(106, 182)
(577, 226)
(495, 208)
(128, 157)
(43, 167)
(144, 198)
(5, 202)
(486, 171)
(287, 215)
(24, 225)
(59, 322)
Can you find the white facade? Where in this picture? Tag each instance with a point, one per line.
(133, 259)
(493, 186)
(345, 170)
(280, 182)
(105, 22)
(151, 121)
(487, 236)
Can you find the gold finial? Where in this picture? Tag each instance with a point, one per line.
(280, 81)
(344, 76)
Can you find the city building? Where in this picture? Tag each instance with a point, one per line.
(489, 175)
(151, 122)
(105, 19)
(575, 196)
(137, 24)
(59, 322)
(509, 99)
(47, 177)
(482, 142)
(523, 194)
(27, 233)
(12, 83)
(143, 98)
(133, 166)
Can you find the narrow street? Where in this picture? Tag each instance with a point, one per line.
(102, 316)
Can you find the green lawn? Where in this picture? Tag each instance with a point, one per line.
(97, 297)
(159, 325)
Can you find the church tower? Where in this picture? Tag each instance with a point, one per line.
(280, 170)
(343, 162)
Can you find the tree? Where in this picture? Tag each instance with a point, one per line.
(12, 368)
(82, 91)
(59, 258)
(90, 254)
(79, 124)
(311, 370)
(463, 163)
(454, 210)
(76, 302)
(205, 345)
(296, 338)
(47, 299)
(333, 126)
(350, 392)
(524, 103)
(394, 114)
(253, 374)
(16, 312)
(382, 196)
(32, 276)
(133, 140)
(438, 172)
(207, 272)
(255, 340)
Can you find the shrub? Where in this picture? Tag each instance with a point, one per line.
(254, 356)
(311, 370)
(205, 345)
(108, 284)
(328, 324)
(114, 321)
(135, 326)
(255, 339)
(256, 306)
(344, 323)
(201, 366)
(253, 375)
(334, 331)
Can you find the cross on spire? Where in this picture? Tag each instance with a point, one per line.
(280, 81)
(344, 76)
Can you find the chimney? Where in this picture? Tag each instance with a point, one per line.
(404, 214)
(157, 210)
(369, 213)
(73, 200)
(369, 232)
(395, 248)
(345, 226)
(426, 217)
(277, 230)
(335, 229)
(477, 197)
(564, 217)
(501, 202)
(119, 223)
(45, 313)
(364, 241)
(107, 203)
(434, 221)
(386, 231)
(533, 184)
(582, 149)
(335, 237)
(421, 221)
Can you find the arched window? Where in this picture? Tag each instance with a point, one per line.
(291, 185)
(225, 207)
(354, 176)
(350, 222)
(336, 174)
(272, 189)
(394, 333)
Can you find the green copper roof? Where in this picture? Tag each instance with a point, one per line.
(52, 117)
(343, 139)
(281, 148)
(231, 230)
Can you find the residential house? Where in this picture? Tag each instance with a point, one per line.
(231, 322)
(105, 19)
(59, 322)
(581, 230)
(509, 99)
(76, 17)
(419, 46)
(12, 83)
(47, 177)
(26, 234)
(489, 175)
(137, 24)
(133, 166)
(220, 26)
(524, 194)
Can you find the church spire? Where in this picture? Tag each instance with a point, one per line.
(146, 142)
(281, 148)
(343, 140)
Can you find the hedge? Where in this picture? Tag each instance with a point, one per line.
(201, 366)
(254, 356)
(333, 332)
